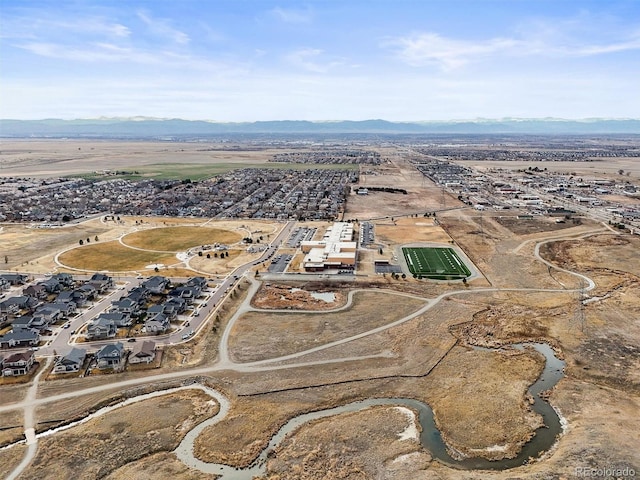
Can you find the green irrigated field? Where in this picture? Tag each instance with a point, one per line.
(439, 263)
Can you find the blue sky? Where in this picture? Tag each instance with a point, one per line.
(241, 60)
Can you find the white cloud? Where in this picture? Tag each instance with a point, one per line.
(433, 49)
(424, 49)
(289, 15)
(313, 60)
(161, 27)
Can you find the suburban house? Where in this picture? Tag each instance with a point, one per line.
(156, 284)
(36, 291)
(4, 284)
(145, 353)
(51, 285)
(120, 319)
(185, 292)
(45, 316)
(76, 296)
(159, 323)
(111, 356)
(139, 295)
(14, 278)
(125, 306)
(66, 308)
(20, 337)
(22, 322)
(101, 328)
(89, 290)
(64, 279)
(15, 304)
(179, 304)
(71, 362)
(18, 364)
(199, 282)
(101, 281)
(168, 309)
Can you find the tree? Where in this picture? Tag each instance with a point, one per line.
(215, 255)
(6, 259)
(200, 253)
(156, 269)
(621, 172)
(81, 242)
(404, 275)
(96, 239)
(208, 255)
(88, 240)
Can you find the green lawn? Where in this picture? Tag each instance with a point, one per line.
(439, 263)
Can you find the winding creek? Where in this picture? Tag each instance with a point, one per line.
(430, 437)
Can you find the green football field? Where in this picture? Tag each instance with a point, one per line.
(440, 263)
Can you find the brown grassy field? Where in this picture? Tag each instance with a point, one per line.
(259, 335)
(121, 436)
(10, 459)
(114, 257)
(177, 239)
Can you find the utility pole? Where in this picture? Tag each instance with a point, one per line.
(579, 315)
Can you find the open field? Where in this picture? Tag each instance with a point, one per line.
(601, 168)
(113, 257)
(161, 160)
(179, 238)
(435, 263)
(258, 335)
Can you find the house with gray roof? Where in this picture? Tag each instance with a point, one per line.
(126, 306)
(156, 284)
(118, 318)
(36, 291)
(64, 279)
(71, 362)
(111, 357)
(157, 324)
(101, 328)
(20, 337)
(14, 278)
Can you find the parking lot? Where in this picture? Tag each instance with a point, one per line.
(366, 234)
(299, 235)
(279, 263)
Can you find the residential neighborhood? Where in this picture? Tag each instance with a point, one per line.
(243, 193)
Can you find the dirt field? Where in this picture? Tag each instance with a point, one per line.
(422, 194)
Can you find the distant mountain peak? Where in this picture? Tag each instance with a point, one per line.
(141, 126)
